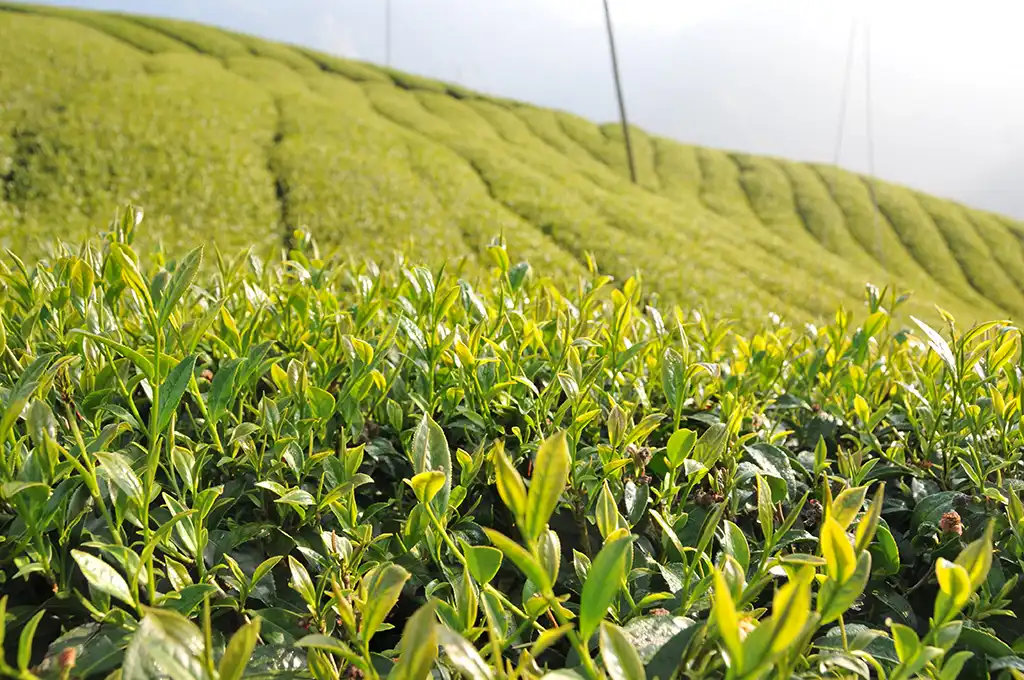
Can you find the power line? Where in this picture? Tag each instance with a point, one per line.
(387, 32)
(869, 124)
(847, 77)
(618, 92)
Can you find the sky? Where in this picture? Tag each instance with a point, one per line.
(941, 81)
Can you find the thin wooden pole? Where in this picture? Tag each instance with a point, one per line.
(618, 92)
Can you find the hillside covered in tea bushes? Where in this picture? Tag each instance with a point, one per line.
(235, 140)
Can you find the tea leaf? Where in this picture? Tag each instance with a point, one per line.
(521, 558)
(184, 275)
(604, 580)
(172, 390)
(383, 586)
(102, 576)
(619, 656)
(483, 561)
(239, 651)
(430, 453)
(551, 472)
(418, 647)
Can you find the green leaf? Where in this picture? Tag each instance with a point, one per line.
(22, 391)
(606, 513)
(711, 445)
(463, 655)
(118, 469)
(25, 640)
(382, 586)
(765, 509)
(301, 583)
(668, 658)
(140, 361)
(322, 403)
(775, 466)
(906, 641)
(932, 507)
(222, 390)
(982, 640)
(330, 645)
(484, 561)
(734, 543)
(297, 497)
(604, 580)
(620, 657)
(521, 558)
(264, 568)
(171, 391)
(81, 279)
(953, 665)
(673, 376)
(937, 343)
(41, 423)
(165, 645)
(885, 552)
(551, 473)
(835, 598)
(680, 445)
(430, 453)
(184, 275)
(102, 576)
(239, 650)
(426, 485)
(418, 648)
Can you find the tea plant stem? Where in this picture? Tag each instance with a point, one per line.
(462, 559)
(201, 404)
(574, 638)
(115, 532)
(153, 457)
(208, 638)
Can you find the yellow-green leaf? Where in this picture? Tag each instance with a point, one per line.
(869, 523)
(510, 484)
(976, 558)
(426, 485)
(790, 609)
(847, 504)
(723, 609)
(521, 558)
(954, 590)
(551, 472)
(381, 588)
(840, 561)
(418, 648)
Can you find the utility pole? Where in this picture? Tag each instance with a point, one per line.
(387, 32)
(618, 92)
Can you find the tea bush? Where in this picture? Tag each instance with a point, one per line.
(223, 466)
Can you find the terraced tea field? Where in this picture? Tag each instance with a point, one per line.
(236, 140)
